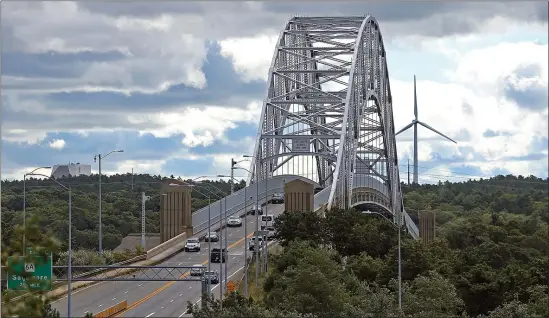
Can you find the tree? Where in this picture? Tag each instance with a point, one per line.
(32, 303)
(235, 305)
(431, 296)
(304, 226)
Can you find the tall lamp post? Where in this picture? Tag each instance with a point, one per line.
(256, 249)
(69, 274)
(399, 255)
(245, 227)
(101, 157)
(25, 205)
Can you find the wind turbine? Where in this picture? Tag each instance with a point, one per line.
(414, 123)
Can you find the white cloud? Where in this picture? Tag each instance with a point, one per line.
(159, 51)
(164, 49)
(251, 56)
(199, 126)
(57, 144)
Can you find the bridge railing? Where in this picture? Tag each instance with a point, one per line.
(235, 201)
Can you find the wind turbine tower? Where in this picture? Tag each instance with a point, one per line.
(414, 123)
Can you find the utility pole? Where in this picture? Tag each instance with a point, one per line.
(233, 163)
(100, 157)
(100, 222)
(144, 198)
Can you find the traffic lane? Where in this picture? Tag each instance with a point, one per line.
(172, 301)
(150, 303)
(106, 294)
(175, 306)
(103, 295)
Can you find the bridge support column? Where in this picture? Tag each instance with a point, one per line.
(175, 210)
(299, 196)
(427, 226)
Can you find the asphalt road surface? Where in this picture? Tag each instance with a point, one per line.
(162, 299)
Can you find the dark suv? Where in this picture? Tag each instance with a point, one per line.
(218, 255)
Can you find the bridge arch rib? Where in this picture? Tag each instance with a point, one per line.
(327, 114)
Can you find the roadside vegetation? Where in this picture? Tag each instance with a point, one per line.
(489, 259)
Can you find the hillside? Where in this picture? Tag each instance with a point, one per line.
(121, 208)
(489, 259)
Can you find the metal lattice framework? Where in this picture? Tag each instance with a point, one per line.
(328, 115)
(126, 273)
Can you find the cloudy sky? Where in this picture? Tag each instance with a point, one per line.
(179, 85)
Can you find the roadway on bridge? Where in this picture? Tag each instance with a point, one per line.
(160, 299)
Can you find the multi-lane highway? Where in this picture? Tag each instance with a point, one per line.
(162, 299)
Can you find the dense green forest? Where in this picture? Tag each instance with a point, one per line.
(121, 206)
(489, 259)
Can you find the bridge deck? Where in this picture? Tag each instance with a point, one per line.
(235, 203)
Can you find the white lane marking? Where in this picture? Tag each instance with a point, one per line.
(190, 258)
(180, 295)
(171, 301)
(126, 291)
(196, 303)
(114, 298)
(161, 308)
(152, 313)
(100, 305)
(78, 290)
(179, 264)
(190, 287)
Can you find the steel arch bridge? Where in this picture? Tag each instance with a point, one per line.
(328, 116)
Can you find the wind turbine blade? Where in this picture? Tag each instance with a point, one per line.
(436, 131)
(406, 127)
(415, 98)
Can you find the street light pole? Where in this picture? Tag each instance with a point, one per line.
(256, 248)
(399, 254)
(399, 263)
(69, 272)
(100, 238)
(221, 255)
(226, 249)
(24, 251)
(100, 222)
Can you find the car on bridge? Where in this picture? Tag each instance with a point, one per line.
(193, 244)
(257, 209)
(211, 237)
(278, 198)
(252, 245)
(197, 270)
(212, 276)
(219, 255)
(271, 232)
(234, 221)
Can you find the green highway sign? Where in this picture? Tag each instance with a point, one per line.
(37, 271)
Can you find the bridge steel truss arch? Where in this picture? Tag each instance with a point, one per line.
(328, 108)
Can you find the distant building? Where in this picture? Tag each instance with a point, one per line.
(71, 169)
